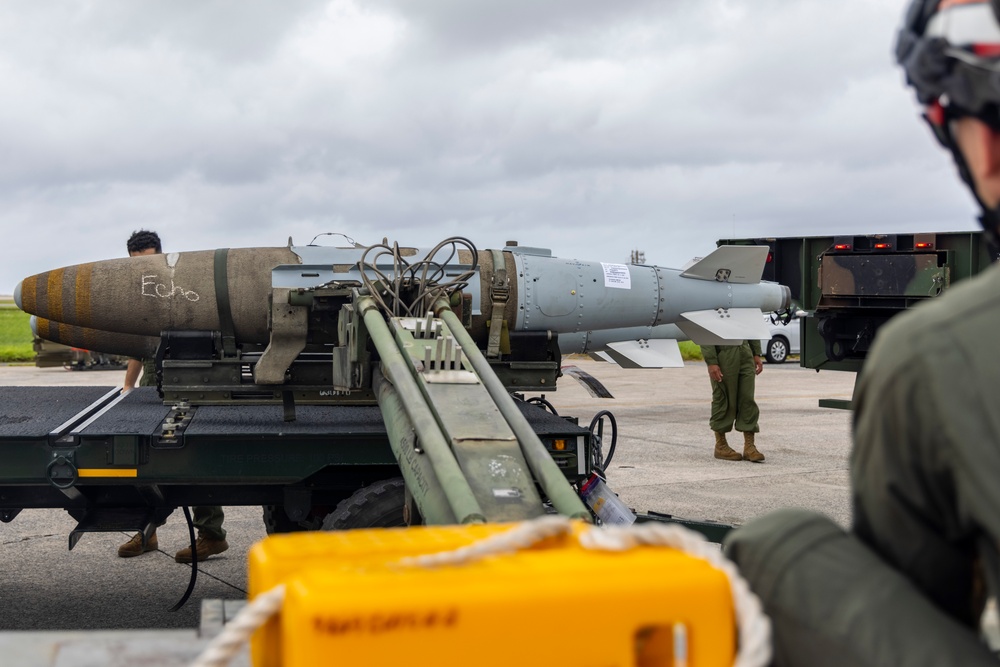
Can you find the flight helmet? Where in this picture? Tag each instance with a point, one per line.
(950, 52)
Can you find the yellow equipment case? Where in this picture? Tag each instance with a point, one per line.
(349, 601)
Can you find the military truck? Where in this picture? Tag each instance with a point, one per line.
(850, 285)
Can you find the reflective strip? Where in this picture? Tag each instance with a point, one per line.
(965, 24)
(945, 4)
(108, 472)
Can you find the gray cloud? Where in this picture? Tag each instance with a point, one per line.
(590, 127)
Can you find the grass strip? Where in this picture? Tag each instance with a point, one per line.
(15, 336)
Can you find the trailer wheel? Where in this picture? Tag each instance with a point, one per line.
(378, 505)
(777, 350)
(276, 521)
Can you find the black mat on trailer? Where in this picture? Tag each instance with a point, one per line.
(141, 412)
(309, 419)
(34, 412)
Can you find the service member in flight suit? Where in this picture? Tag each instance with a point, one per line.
(907, 585)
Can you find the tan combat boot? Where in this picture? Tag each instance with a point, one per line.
(135, 547)
(723, 450)
(750, 452)
(205, 546)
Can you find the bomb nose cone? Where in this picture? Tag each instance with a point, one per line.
(17, 296)
(32, 322)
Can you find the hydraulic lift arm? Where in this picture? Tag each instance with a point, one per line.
(474, 457)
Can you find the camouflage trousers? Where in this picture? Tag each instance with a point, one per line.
(733, 401)
(208, 521)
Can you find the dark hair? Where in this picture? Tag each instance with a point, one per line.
(143, 240)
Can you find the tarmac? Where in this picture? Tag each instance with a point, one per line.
(662, 462)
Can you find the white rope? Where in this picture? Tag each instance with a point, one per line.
(754, 626)
(237, 632)
(520, 537)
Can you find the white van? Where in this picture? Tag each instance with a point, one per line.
(784, 339)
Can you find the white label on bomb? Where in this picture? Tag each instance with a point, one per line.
(152, 288)
(617, 275)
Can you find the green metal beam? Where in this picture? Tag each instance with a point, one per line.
(546, 472)
(396, 369)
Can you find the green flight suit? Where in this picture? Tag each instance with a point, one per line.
(925, 470)
(834, 603)
(733, 398)
(208, 520)
(925, 483)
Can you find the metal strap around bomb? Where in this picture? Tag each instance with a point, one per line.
(499, 293)
(222, 302)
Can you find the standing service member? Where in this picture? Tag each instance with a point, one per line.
(733, 370)
(208, 520)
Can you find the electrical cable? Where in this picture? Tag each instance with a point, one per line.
(594, 423)
(395, 294)
(194, 561)
(542, 402)
(349, 239)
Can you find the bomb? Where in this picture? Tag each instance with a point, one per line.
(123, 305)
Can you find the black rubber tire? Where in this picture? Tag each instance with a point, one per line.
(276, 521)
(777, 350)
(378, 505)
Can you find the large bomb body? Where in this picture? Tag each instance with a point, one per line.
(95, 340)
(148, 294)
(589, 303)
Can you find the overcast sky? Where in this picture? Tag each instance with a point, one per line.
(586, 126)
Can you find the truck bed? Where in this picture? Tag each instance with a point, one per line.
(73, 446)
